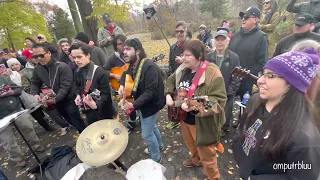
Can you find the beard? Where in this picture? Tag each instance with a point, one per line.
(133, 59)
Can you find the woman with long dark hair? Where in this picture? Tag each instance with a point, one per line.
(278, 136)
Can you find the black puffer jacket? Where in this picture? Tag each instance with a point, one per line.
(149, 97)
(62, 86)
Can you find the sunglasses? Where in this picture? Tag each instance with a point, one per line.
(179, 31)
(266, 2)
(246, 17)
(39, 56)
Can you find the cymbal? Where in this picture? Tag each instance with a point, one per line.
(102, 142)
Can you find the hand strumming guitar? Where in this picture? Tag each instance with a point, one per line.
(185, 107)
(121, 90)
(78, 101)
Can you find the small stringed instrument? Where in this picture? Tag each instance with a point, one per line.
(49, 95)
(5, 88)
(95, 95)
(239, 72)
(199, 103)
(115, 84)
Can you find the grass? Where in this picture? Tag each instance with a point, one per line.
(156, 47)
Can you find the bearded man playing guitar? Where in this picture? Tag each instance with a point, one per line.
(117, 63)
(89, 78)
(58, 77)
(147, 92)
(201, 126)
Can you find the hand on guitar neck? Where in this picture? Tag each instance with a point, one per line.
(87, 102)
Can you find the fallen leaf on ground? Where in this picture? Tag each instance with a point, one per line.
(231, 168)
(175, 151)
(170, 159)
(194, 178)
(237, 166)
(4, 164)
(230, 172)
(230, 151)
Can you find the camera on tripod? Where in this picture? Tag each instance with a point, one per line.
(149, 11)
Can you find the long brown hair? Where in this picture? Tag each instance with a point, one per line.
(290, 115)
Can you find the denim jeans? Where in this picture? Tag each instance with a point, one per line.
(2, 175)
(151, 134)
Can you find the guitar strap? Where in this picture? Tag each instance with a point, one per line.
(137, 78)
(196, 79)
(89, 81)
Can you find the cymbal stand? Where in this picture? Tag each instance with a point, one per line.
(29, 146)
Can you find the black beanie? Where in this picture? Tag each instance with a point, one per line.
(81, 36)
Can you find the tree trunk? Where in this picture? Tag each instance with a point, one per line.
(90, 25)
(75, 16)
(11, 45)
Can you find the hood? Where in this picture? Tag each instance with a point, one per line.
(29, 66)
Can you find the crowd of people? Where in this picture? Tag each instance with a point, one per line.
(280, 123)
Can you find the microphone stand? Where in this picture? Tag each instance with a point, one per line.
(161, 30)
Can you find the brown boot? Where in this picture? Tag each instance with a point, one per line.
(189, 164)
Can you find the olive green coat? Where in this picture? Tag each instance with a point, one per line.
(103, 43)
(211, 84)
(269, 28)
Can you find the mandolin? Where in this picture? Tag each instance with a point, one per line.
(120, 70)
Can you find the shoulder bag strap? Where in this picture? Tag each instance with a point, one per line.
(89, 82)
(196, 79)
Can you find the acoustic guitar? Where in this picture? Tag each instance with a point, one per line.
(120, 70)
(95, 95)
(48, 95)
(177, 114)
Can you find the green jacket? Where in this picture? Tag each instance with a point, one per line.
(103, 35)
(26, 75)
(271, 26)
(211, 84)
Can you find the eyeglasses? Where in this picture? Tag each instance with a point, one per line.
(179, 31)
(267, 2)
(39, 56)
(268, 75)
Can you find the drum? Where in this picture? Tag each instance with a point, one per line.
(4, 122)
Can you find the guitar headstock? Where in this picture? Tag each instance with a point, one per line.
(95, 94)
(199, 103)
(240, 72)
(158, 57)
